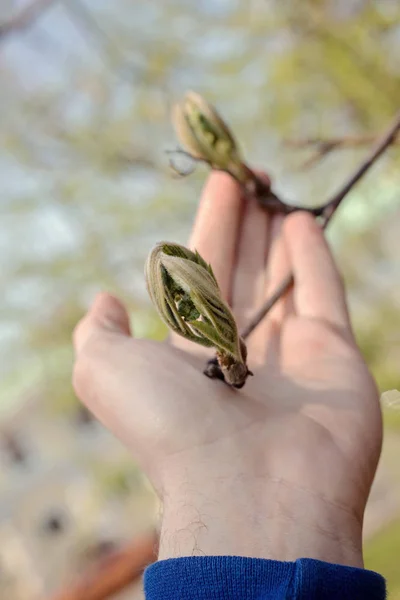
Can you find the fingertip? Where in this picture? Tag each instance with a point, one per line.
(107, 313)
(220, 182)
(301, 224)
(217, 226)
(110, 313)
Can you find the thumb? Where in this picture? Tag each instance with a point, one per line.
(106, 360)
(113, 375)
(107, 314)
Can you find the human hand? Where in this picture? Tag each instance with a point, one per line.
(282, 468)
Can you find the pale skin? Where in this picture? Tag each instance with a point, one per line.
(281, 469)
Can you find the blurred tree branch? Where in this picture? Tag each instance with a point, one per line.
(212, 369)
(84, 19)
(324, 146)
(379, 148)
(114, 572)
(24, 18)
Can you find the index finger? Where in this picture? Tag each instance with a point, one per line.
(217, 225)
(215, 235)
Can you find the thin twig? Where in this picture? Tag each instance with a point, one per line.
(330, 208)
(111, 49)
(273, 299)
(377, 150)
(254, 187)
(24, 18)
(324, 146)
(346, 141)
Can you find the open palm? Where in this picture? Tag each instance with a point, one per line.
(308, 421)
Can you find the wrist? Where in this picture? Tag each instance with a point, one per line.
(260, 519)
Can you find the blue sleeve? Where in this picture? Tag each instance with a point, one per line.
(240, 578)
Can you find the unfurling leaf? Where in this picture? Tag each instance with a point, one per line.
(205, 135)
(186, 295)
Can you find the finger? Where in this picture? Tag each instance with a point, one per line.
(278, 266)
(106, 366)
(263, 341)
(318, 290)
(124, 381)
(217, 227)
(106, 313)
(215, 235)
(105, 378)
(249, 277)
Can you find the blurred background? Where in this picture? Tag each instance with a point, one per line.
(86, 89)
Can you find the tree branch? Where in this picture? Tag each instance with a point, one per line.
(324, 146)
(25, 18)
(330, 208)
(111, 49)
